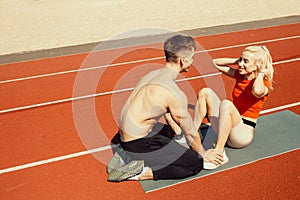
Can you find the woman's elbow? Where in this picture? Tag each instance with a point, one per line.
(258, 92)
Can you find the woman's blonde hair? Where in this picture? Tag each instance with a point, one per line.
(263, 60)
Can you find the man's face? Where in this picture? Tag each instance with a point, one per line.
(187, 60)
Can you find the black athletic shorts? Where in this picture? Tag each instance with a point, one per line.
(166, 158)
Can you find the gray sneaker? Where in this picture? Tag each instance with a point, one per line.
(119, 159)
(131, 169)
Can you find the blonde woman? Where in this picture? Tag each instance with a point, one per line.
(235, 121)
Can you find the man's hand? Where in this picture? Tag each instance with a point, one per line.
(213, 156)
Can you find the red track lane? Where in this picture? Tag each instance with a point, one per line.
(34, 91)
(70, 62)
(46, 132)
(85, 178)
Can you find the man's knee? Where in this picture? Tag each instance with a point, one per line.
(198, 166)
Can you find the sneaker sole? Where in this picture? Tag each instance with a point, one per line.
(127, 171)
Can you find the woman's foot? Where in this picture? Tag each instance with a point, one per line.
(211, 166)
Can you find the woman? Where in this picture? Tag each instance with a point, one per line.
(235, 121)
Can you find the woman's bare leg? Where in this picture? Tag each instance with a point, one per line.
(229, 118)
(208, 103)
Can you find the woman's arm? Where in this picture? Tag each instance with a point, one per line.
(222, 65)
(259, 89)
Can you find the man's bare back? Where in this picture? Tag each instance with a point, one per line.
(149, 101)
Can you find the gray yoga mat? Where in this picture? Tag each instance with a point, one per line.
(275, 134)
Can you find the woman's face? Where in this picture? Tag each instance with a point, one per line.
(247, 63)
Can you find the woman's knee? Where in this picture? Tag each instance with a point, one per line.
(226, 104)
(204, 92)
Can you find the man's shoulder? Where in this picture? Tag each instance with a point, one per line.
(165, 85)
(148, 77)
(167, 89)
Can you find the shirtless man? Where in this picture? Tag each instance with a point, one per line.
(157, 95)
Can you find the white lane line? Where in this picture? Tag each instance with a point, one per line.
(90, 96)
(82, 153)
(79, 70)
(115, 91)
(64, 100)
(252, 43)
(280, 108)
(143, 60)
(55, 159)
(286, 61)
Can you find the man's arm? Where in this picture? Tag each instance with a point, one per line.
(178, 107)
(173, 124)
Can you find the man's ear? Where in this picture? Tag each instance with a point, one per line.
(181, 60)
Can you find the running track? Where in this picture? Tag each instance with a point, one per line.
(36, 120)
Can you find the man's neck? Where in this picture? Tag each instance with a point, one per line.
(174, 69)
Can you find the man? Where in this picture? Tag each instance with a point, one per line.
(143, 138)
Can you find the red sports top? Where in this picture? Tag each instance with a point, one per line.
(247, 104)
